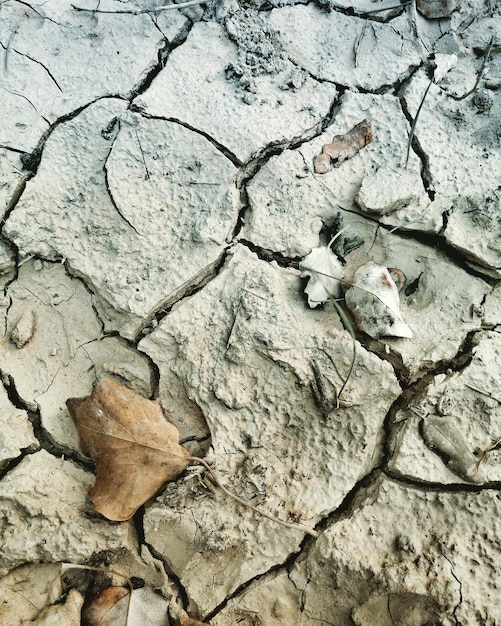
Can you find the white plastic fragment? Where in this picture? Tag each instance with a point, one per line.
(374, 302)
(324, 271)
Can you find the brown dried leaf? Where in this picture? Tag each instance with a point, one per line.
(136, 450)
(102, 606)
(116, 606)
(343, 147)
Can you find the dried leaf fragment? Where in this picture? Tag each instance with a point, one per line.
(117, 606)
(67, 613)
(374, 302)
(343, 147)
(443, 437)
(136, 450)
(103, 607)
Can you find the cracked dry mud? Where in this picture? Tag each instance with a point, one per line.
(157, 193)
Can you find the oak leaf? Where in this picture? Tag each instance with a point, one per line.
(135, 449)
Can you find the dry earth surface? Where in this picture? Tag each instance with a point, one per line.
(157, 195)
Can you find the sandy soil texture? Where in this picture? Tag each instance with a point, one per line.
(281, 221)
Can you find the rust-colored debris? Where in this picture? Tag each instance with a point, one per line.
(343, 147)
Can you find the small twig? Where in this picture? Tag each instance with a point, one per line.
(480, 72)
(213, 475)
(413, 127)
(181, 5)
(483, 452)
(349, 327)
(237, 310)
(358, 41)
(7, 48)
(147, 175)
(399, 226)
(484, 393)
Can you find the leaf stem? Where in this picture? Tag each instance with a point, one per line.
(248, 505)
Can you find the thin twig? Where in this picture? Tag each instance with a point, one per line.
(147, 176)
(7, 48)
(484, 393)
(358, 41)
(480, 72)
(213, 475)
(349, 327)
(399, 226)
(413, 127)
(181, 5)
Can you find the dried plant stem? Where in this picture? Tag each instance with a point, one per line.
(7, 48)
(414, 123)
(182, 5)
(349, 327)
(213, 475)
(484, 393)
(480, 72)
